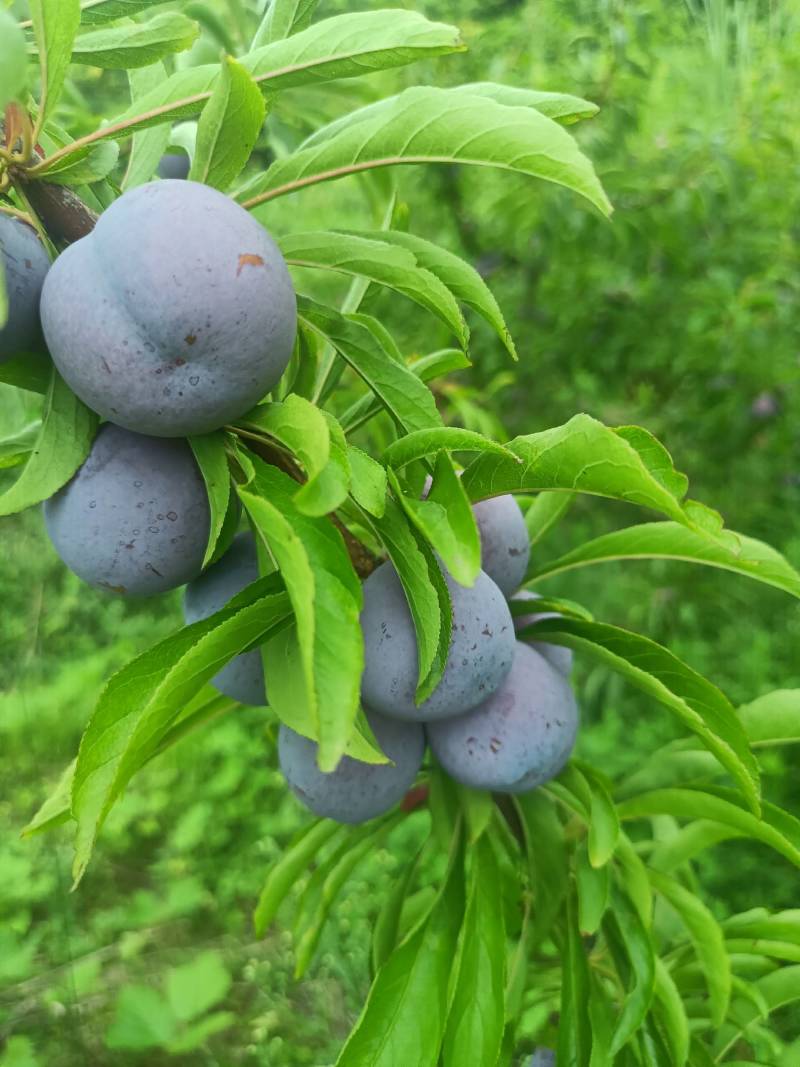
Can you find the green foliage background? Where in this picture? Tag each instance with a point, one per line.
(678, 316)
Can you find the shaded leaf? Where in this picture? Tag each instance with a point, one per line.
(284, 874)
(212, 459)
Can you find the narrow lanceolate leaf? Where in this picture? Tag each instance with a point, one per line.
(670, 540)
(660, 674)
(283, 874)
(84, 167)
(594, 886)
(670, 1015)
(395, 268)
(96, 12)
(68, 429)
(463, 281)
(547, 859)
(404, 1019)
(136, 44)
(142, 700)
(429, 125)
(426, 591)
(13, 60)
(773, 719)
(55, 24)
(574, 1031)
(326, 599)
(209, 451)
(424, 443)
(446, 520)
(707, 938)
(626, 934)
(369, 482)
(344, 46)
(774, 828)
(405, 397)
(283, 18)
(562, 107)
(55, 810)
(603, 820)
(544, 513)
(148, 146)
(229, 127)
(477, 1014)
(583, 456)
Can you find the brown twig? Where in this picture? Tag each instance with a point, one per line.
(64, 215)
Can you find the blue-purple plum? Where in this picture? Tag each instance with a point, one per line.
(175, 165)
(355, 791)
(243, 678)
(505, 544)
(558, 655)
(175, 315)
(543, 1057)
(26, 264)
(479, 658)
(135, 518)
(518, 738)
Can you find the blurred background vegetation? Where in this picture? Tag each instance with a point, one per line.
(676, 315)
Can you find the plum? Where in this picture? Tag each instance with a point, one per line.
(175, 315)
(26, 264)
(355, 791)
(175, 165)
(505, 544)
(543, 1057)
(243, 678)
(480, 654)
(560, 657)
(518, 738)
(135, 518)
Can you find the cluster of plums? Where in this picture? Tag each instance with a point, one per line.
(173, 318)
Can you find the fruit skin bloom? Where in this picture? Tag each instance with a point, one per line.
(26, 264)
(175, 315)
(480, 654)
(519, 738)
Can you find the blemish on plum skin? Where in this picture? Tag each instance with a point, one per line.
(190, 339)
(248, 259)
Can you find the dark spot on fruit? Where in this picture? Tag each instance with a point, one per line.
(190, 339)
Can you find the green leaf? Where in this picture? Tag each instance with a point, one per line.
(437, 364)
(136, 44)
(477, 1014)
(625, 930)
(395, 268)
(13, 60)
(142, 1019)
(369, 482)
(423, 443)
(594, 887)
(55, 809)
(326, 600)
(64, 441)
(543, 514)
(670, 540)
(386, 927)
(283, 18)
(298, 425)
(55, 24)
(426, 592)
(562, 107)
(603, 820)
(81, 168)
(773, 719)
(283, 874)
(405, 397)
(778, 989)
(229, 127)
(690, 841)
(547, 859)
(345, 46)
(195, 1035)
(670, 1014)
(707, 938)
(446, 520)
(31, 370)
(197, 986)
(774, 828)
(583, 456)
(574, 1031)
(17, 447)
(142, 700)
(96, 12)
(429, 125)
(478, 808)
(660, 674)
(212, 459)
(326, 883)
(147, 146)
(461, 278)
(404, 1019)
